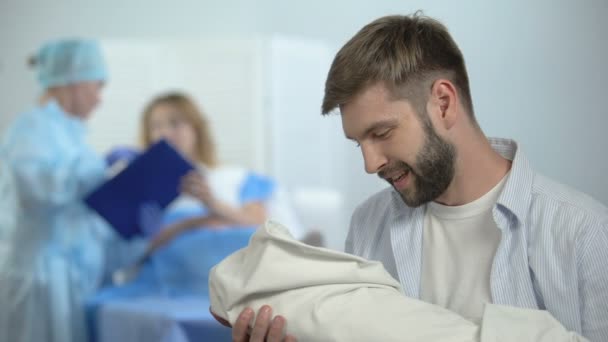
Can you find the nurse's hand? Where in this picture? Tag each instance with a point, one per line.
(264, 328)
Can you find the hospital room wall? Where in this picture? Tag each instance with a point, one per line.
(537, 69)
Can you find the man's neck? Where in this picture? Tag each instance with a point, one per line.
(478, 169)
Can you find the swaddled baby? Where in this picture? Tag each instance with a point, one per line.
(332, 296)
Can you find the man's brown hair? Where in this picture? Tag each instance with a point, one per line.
(406, 53)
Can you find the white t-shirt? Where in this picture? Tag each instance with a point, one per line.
(459, 244)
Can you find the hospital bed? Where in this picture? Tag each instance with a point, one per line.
(139, 313)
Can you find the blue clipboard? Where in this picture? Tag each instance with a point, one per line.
(151, 179)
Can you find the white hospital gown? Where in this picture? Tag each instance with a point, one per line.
(53, 258)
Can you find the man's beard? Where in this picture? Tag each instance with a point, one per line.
(434, 170)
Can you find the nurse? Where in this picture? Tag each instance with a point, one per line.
(8, 204)
(54, 253)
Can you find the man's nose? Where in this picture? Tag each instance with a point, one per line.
(373, 158)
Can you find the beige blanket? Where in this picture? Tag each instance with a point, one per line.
(332, 296)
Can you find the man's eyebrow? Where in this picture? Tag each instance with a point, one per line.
(387, 123)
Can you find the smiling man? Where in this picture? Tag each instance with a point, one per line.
(467, 221)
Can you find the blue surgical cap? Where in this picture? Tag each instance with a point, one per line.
(70, 61)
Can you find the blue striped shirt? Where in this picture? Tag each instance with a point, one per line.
(553, 253)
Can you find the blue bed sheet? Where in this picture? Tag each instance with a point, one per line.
(177, 272)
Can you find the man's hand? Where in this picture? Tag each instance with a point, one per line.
(264, 328)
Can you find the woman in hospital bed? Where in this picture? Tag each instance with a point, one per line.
(216, 214)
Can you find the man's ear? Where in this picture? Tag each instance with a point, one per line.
(443, 103)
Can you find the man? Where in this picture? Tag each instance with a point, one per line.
(467, 221)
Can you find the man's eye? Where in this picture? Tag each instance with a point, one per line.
(383, 134)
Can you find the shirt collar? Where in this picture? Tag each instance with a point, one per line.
(517, 193)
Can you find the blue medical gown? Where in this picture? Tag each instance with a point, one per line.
(181, 268)
(54, 255)
(8, 205)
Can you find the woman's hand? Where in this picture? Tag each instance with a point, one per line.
(252, 213)
(195, 185)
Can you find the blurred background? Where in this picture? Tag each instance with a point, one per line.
(537, 70)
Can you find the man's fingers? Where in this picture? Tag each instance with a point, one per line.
(264, 329)
(239, 331)
(275, 333)
(262, 323)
